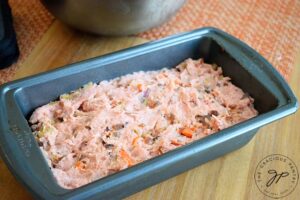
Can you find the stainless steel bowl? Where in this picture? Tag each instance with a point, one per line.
(113, 17)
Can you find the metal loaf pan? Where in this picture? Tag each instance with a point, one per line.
(248, 70)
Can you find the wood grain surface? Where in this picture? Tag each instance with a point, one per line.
(228, 177)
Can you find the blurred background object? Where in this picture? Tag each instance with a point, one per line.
(9, 51)
(114, 17)
(271, 27)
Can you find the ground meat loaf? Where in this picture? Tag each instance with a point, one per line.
(103, 128)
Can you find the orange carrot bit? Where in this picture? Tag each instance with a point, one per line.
(193, 128)
(175, 143)
(214, 125)
(187, 132)
(139, 87)
(160, 152)
(126, 157)
(80, 165)
(134, 141)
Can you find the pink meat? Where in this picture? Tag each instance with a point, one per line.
(101, 129)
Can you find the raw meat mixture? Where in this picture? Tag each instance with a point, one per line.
(103, 128)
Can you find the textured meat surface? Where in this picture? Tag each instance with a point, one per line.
(103, 128)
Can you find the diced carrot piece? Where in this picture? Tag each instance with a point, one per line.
(193, 128)
(160, 151)
(214, 125)
(151, 103)
(134, 141)
(175, 143)
(126, 157)
(140, 87)
(79, 165)
(187, 132)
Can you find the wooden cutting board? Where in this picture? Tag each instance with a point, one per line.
(229, 177)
